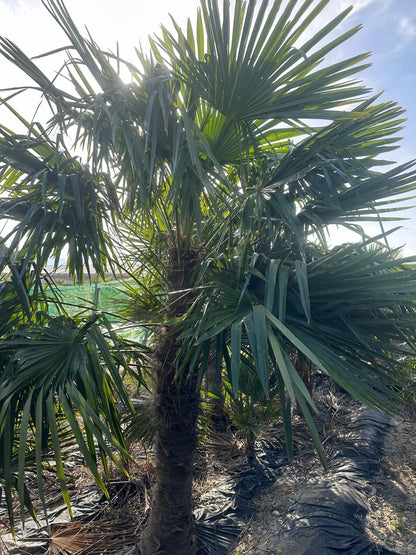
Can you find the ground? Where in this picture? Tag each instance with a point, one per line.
(391, 496)
(391, 520)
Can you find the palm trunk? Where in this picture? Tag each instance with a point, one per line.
(170, 528)
(250, 445)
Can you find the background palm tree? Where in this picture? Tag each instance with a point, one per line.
(60, 381)
(213, 177)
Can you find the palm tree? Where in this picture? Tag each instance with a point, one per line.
(51, 369)
(213, 177)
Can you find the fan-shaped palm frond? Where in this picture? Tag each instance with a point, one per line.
(56, 378)
(349, 311)
(55, 202)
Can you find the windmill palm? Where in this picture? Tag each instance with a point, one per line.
(60, 386)
(213, 176)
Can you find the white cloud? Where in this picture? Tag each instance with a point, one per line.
(407, 27)
(337, 6)
(361, 4)
(406, 32)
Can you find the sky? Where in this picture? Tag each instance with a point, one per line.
(389, 32)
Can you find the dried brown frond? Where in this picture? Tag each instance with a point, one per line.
(225, 445)
(92, 538)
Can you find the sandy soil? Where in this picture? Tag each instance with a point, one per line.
(391, 520)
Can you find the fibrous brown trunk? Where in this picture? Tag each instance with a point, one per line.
(250, 446)
(170, 527)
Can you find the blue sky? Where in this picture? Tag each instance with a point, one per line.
(389, 32)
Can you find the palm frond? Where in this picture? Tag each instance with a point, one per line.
(54, 380)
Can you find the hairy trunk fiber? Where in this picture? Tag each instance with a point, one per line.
(250, 445)
(170, 528)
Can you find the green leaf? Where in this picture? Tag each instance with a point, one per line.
(50, 407)
(291, 337)
(281, 362)
(23, 438)
(283, 283)
(302, 277)
(255, 324)
(312, 427)
(235, 356)
(271, 283)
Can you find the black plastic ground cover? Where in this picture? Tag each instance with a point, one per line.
(328, 517)
(86, 506)
(224, 510)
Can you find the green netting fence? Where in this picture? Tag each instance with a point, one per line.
(106, 297)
